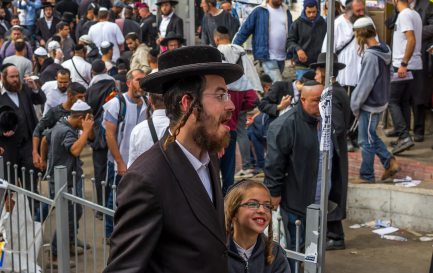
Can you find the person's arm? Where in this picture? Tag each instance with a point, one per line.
(292, 43)
(179, 26)
(280, 264)
(37, 97)
(408, 52)
(44, 153)
(119, 36)
(274, 101)
(79, 145)
(246, 29)
(205, 39)
(110, 134)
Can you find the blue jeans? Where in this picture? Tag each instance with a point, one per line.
(300, 71)
(274, 69)
(370, 144)
(259, 143)
(109, 204)
(228, 163)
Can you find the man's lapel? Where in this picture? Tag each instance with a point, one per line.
(194, 191)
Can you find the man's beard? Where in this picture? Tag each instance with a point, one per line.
(207, 141)
(12, 87)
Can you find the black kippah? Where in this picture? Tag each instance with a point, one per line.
(6, 65)
(222, 30)
(312, 83)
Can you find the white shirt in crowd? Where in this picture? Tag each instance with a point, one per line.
(83, 68)
(53, 94)
(110, 32)
(164, 24)
(141, 139)
(277, 33)
(134, 115)
(343, 30)
(407, 20)
(200, 166)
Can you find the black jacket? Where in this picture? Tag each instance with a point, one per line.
(175, 25)
(308, 37)
(256, 263)
(96, 94)
(148, 31)
(49, 70)
(67, 5)
(42, 30)
(278, 90)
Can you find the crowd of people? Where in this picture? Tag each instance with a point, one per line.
(164, 120)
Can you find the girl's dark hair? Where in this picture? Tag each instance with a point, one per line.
(232, 202)
(192, 87)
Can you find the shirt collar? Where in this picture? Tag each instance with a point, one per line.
(169, 16)
(159, 113)
(196, 163)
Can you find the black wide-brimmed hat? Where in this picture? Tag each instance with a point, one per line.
(321, 62)
(189, 61)
(47, 5)
(67, 17)
(172, 36)
(173, 2)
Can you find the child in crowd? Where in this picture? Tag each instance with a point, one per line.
(248, 211)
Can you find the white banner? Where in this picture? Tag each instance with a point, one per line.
(325, 107)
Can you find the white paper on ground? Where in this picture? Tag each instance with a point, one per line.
(426, 239)
(384, 231)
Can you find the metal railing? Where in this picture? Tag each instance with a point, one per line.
(37, 220)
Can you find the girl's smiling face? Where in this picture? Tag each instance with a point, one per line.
(250, 220)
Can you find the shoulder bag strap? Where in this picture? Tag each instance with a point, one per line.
(338, 51)
(72, 60)
(152, 130)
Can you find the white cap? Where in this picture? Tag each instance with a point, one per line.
(363, 22)
(86, 39)
(53, 45)
(106, 44)
(40, 51)
(103, 9)
(80, 106)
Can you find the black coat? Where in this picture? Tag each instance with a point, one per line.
(148, 31)
(278, 90)
(67, 5)
(4, 30)
(165, 220)
(175, 25)
(49, 70)
(42, 31)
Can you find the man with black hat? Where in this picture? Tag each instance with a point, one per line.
(184, 203)
(168, 21)
(172, 41)
(139, 53)
(21, 98)
(46, 26)
(67, 6)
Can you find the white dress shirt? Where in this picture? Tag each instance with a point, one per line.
(141, 139)
(164, 24)
(83, 68)
(107, 31)
(200, 166)
(53, 94)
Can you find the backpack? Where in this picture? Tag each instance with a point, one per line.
(100, 140)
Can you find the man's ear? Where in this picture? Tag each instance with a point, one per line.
(185, 102)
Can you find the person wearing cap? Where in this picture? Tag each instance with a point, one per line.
(346, 49)
(172, 41)
(23, 64)
(74, 92)
(45, 66)
(116, 10)
(28, 13)
(168, 21)
(213, 18)
(8, 49)
(55, 50)
(339, 165)
(66, 144)
(106, 31)
(21, 97)
(63, 6)
(81, 71)
(269, 39)
(107, 55)
(370, 99)
(148, 30)
(140, 52)
(306, 37)
(46, 26)
(92, 52)
(90, 15)
(198, 106)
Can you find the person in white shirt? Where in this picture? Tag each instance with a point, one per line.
(81, 71)
(55, 91)
(106, 31)
(407, 64)
(142, 138)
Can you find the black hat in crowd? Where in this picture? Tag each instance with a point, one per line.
(172, 36)
(172, 2)
(47, 5)
(8, 119)
(321, 62)
(67, 17)
(308, 76)
(189, 61)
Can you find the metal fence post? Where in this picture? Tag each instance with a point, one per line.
(312, 239)
(2, 168)
(62, 219)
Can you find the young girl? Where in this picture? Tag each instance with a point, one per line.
(248, 211)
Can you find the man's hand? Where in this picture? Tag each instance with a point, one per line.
(87, 123)
(8, 133)
(31, 83)
(275, 201)
(121, 168)
(37, 160)
(302, 56)
(42, 43)
(402, 72)
(285, 102)
(2, 151)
